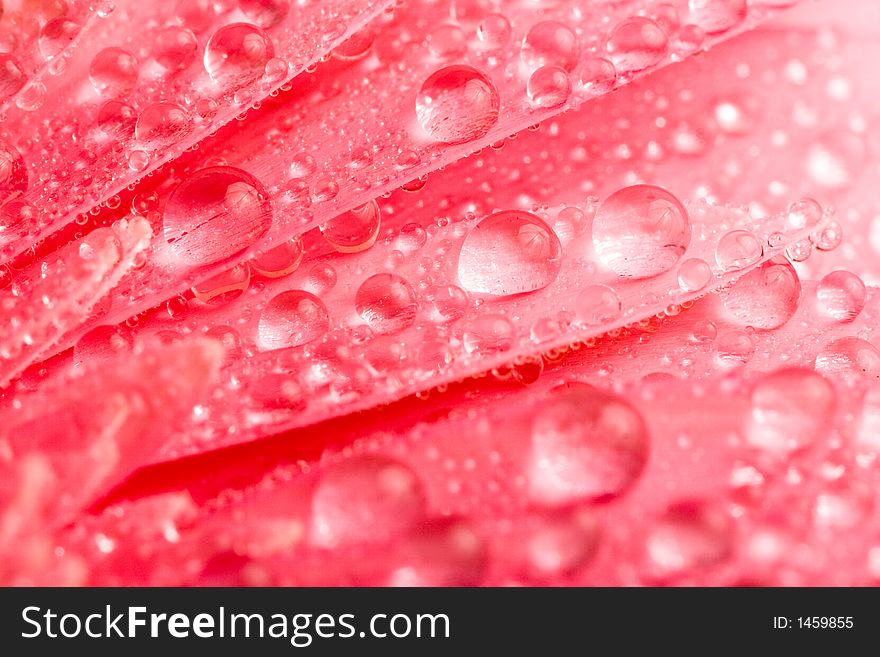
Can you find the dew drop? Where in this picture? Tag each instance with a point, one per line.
(764, 298)
(586, 445)
(113, 72)
(841, 295)
(457, 104)
(279, 261)
(557, 542)
(440, 552)
(236, 55)
(803, 214)
(265, 13)
(13, 173)
(494, 31)
(790, 410)
(117, 119)
(447, 42)
(448, 302)
(597, 305)
(597, 76)
(694, 274)
(214, 214)
(850, 359)
(175, 48)
(716, 16)
(641, 231)
(387, 303)
(635, 44)
(161, 125)
(510, 252)
(487, 335)
(734, 348)
(550, 43)
(828, 238)
(355, 230)
(138, 160)
(56, 35)
(549, 86)
(737, 250)
(690, 535)
(365, 499)
(292, 319)
(12, 77)
(223, 287)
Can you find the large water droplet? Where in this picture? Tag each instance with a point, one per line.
(690, 535)
(223, 287)
(386, 302)
(597, 305)
(279, 261)
(641, 231)
(716, 16)
(457, 104)
(841, 295)
(556, 542)
(355, 230)
(214, 214)
(440, 552)
(586, 445)
(694, 274)
(487, 335)
(790, 409)
(291, 319)
(636, 44)
(114, 72)
(549, 86)
(13, 173)
(511, 252)
(365, 499)
(117, 119)
(56, 35)
(550, 43)
(236, 55)
(12, 77)
(265, 13)
(850, 359)
(737, 250)
(175, 48)
(161, 125)
(766, 297)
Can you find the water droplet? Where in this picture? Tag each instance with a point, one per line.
(292, 319)
(596, 76)
(803, 214)
(694, 274)
(447, 42)
(449, 302)
(56, 35)
(494, 32)
(161, 125)
(641, 231)
(114, 72)
(101, 344)
(279, 261)
(716, 16)
(850, 359)
(175, 48)
(138, 160)
(764, 298)
(828, 238)
(457, 104)
(841, 295)
(302, 165)
(637, 43)
(223, 287)
(586, 445)
(214, 214)
(549, 86)
(355, 230)
(321, 279)
(487, 335)
(790, 409)
(365, 499)
(734, 348)
(737, 250)
(13, 173)
(236, 55)
(117, 119)
(557, 542)
(510, 252)
(387, 303)
(265, 13)
(597, 305)
(550, 43)
(12, 77)
(440, 552)
(690, 535)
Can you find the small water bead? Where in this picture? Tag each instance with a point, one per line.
(570, 224)
(850, 359)
(737, 250)
(556, 542)
(841, 295)
(596, 76)
(447, 42)
(799, 251)
(365, 499)
(790, 410)
(411, 237)
(326, 189)
(828, 238)
(387, 303)
(549, 86)
(302, 165)
(56, 35)
(265, 13)
(690, 38)
(586, 445)
(597, 305)
(509, 252)
(138, 160)
(494, 31)
(292, 319)
(161, 125)
(691, 535)
(448, 302)
(550, 43)
(447, 551)
(355, 230)
(13, 173)
(223, 287)
(117, 119)
(214, 214)
(457, 104)
(320, 279)
(279, 261)
(101, 344)
(703, 331)
(175, 48)
(716, 16)
(635, 44)
(236, 55)
(694, 274)
(487, 335)
(765, 298)
(114, 72)
(803, 214)
(734, 348)
(357, 46)
(12, 77)
(641, 231)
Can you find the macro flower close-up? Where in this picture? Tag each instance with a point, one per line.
(439, 293)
